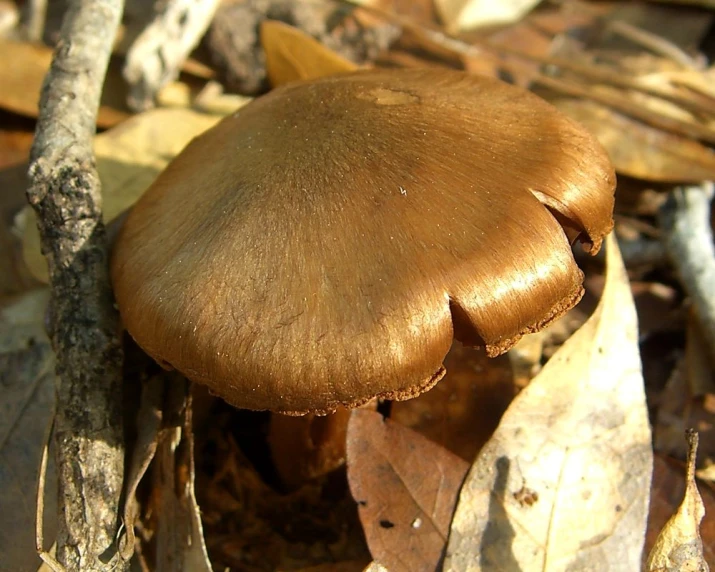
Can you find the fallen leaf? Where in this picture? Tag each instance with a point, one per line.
(405, 487)
(129, 157)
(469, 14)
(639, 150)
(27, 376)
(462, 411)
(293, 55)
(563, 483)
(679, 547)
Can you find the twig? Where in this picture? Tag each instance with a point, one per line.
(83, 326)
(653, 42)
(603, 74)
(631, 108)
(688, 238)
(156, 56)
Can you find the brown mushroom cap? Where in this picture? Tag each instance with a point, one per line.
(322, 245)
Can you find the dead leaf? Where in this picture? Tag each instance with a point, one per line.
(458, 15)
(462, 411)
(639, 150)
(563, 483)
(679, 547)
(23, 71)
(129, 157)
(293, 55)
(406, 487)
(27, 374)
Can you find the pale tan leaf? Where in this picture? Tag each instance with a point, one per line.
(679, 547)
(468, 14)
(129, 157)
(293, 55)
(563, 483)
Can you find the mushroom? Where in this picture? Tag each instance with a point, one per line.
(324, 244)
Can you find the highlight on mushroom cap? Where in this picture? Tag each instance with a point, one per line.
(324, 244)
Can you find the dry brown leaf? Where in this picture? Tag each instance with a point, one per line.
(679, 547)
(406, 487)
(292, 55)
(462, 411)
(129, 157)
(641, 151)
(460, 15)
(563, 483)
(27, 374)
(23, 69)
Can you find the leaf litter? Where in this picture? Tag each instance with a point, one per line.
(239, 524)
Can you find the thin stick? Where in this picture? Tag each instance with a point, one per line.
(656, 44)
(630, 108)
(688, 238)
(83, 326)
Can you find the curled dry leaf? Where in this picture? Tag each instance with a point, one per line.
(679, 547)
(563, 483)
(179, 533)
(669, 483)
(406, 488)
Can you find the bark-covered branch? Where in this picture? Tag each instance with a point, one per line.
(65, 193)
(156, 55)
(685, 222)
